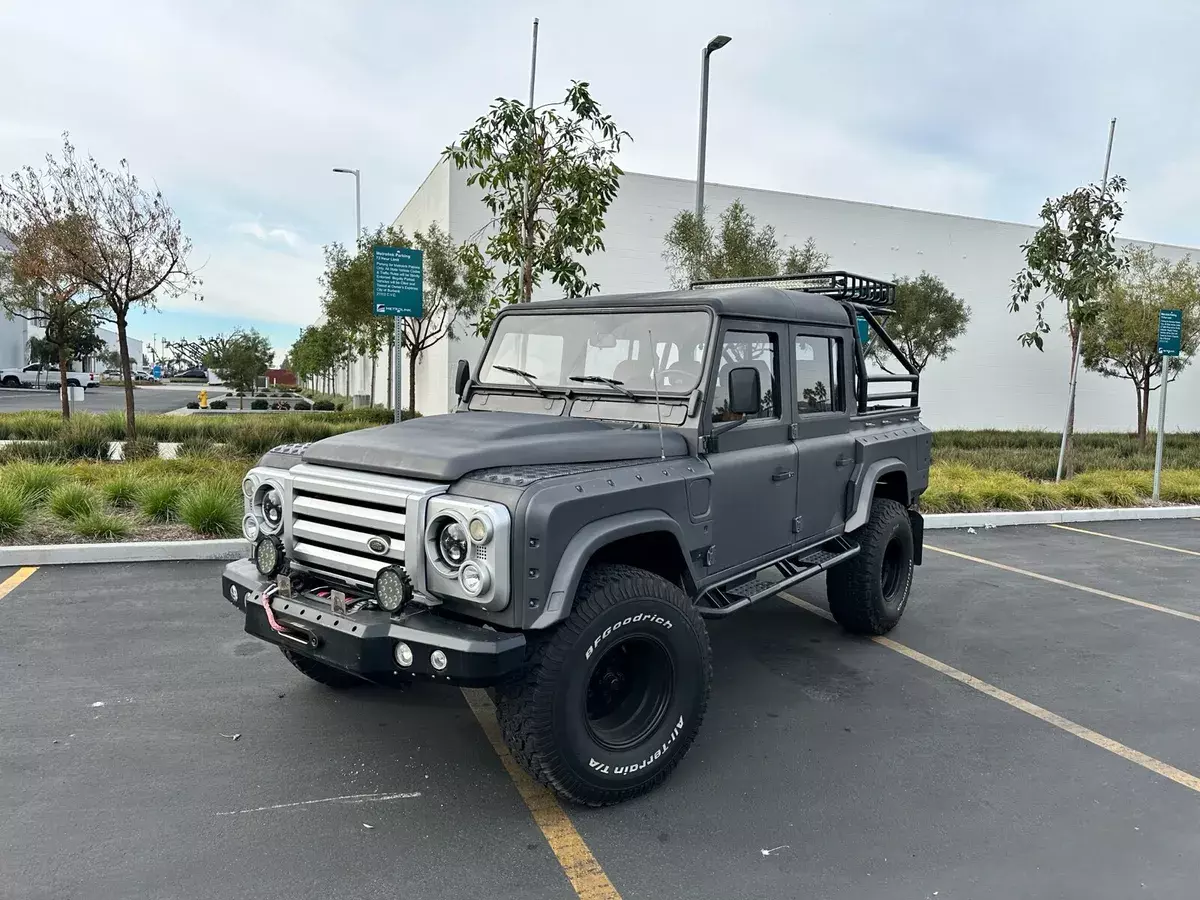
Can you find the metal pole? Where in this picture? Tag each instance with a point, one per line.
(1162, 427)
(1062, 447)
(533, 64)
(700, 148)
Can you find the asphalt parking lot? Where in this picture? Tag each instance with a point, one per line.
(100, 399)
(1028, 731)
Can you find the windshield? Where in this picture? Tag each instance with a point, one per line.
(558, 350)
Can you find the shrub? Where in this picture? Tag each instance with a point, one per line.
(258, 404)
(240, 394)
(101, 526)
(218, 404)
(72, 500)
(323, 406)
(160, 499)
(14, 511)
(193, 404)
(281, 405)
(139, 448)
(84, 437)
(303, 405)
(196, 447)
(33, 483)
(122, 490)
(212, 509)
(32, 451)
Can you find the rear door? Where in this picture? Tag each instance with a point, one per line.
(821, 427)
(754, 466)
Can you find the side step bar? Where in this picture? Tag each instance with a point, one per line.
(718, 602)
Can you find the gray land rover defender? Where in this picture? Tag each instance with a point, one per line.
(619, 469)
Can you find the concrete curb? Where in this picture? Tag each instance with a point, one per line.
(1058, 516)
(124, 552)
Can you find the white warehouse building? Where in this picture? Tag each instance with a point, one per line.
(990, 381)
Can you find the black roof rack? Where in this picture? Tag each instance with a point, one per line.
(838, 285)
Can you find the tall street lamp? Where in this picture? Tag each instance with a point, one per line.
(357, 199)
(713, 46)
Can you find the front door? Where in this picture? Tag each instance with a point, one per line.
(824, 445)
(754, 464)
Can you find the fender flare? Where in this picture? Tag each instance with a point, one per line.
(870, 478)
(587, 541)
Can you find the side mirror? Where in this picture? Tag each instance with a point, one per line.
(745, 390)
(461, 377)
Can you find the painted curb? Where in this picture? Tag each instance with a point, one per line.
(1057, 516)
(125, 552)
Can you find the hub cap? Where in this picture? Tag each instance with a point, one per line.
(628, 692)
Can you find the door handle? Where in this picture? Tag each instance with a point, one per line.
(843, 461)
(782, 475)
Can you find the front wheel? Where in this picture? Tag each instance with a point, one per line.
(12, 381)
(71, 382)
(614, 696)
(868, 592)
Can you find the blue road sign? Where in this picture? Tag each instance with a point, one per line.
(156, 371)
(398, 275)
(1170, 331)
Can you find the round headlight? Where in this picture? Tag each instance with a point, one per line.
(391, 589)
(268, 555)
(474, 579)
(250, 528)
(268, 503)
(452, 544)
(480, 530)
(249, 483)
(403, 654)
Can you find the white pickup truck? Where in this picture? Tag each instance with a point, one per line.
(45, 376)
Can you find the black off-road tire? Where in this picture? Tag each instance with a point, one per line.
(632, 620)
(868, 592)
(321, 673)
(12, 381)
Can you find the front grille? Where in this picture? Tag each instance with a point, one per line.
(337, 514)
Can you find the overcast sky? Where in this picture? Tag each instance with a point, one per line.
(239, 109)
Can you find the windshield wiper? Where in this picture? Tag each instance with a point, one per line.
(532, 381)
(600, 379)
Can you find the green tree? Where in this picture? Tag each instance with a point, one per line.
(924, 323)
(130, 250)
(246, 357)
(548, 176)
(1122, 339)
(1073, 257)
(38, 284)
(736, 248)
(318, 352)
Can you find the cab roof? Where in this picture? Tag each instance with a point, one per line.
(743, 302)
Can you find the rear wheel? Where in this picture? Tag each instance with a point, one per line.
(868, 592)
(12, 381)
(615, 694)
(321, 673)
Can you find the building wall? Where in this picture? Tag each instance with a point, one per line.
(14, 341)
(990, 381)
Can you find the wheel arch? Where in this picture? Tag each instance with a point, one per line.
(882, 478)
(648, 539)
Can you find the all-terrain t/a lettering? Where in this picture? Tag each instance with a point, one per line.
(617, 470)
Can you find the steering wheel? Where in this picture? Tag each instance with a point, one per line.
(684, 375)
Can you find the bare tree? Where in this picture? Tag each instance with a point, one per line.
(132, 249)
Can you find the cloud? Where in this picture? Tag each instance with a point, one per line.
(256, 229)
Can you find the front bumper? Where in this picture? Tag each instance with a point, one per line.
(363, 643)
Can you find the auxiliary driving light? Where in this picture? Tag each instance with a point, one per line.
(438, 660)
(268, 555)
(480, 530)
(403, 654)
(392, 588)
(474, 579)
(250, 528)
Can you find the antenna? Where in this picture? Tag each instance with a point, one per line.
(662, 447)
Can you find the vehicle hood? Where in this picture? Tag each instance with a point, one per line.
(447, 447)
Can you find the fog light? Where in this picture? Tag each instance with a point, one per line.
(404, 654)
(474, 579)
(392, 588)
(268, 555)
(438, 660)
(480, 530)
(250, 528)
(249, 483)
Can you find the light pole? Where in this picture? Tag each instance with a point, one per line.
(712, 47)
(357, 233)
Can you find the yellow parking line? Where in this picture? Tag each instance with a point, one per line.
(1078, 587)
(1128, 540)
(1157, 766)
(15, 580)
(578, 864)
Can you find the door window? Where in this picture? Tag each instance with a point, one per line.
(748, 348)
(818, 375)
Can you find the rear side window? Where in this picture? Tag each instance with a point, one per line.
(818, 375)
